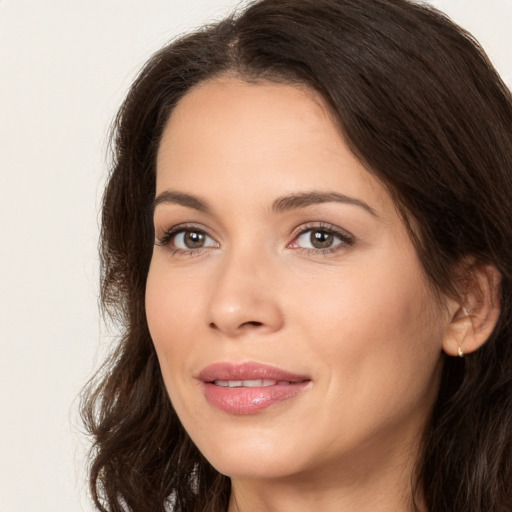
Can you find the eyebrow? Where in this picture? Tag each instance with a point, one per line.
(281, 204)
(301, 200)
(182, 199)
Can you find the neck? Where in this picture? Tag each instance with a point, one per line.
(367, 481)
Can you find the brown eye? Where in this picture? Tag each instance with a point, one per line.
(321, 239)
(187, 240)
(194, 239)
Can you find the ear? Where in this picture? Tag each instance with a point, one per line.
(475, 313)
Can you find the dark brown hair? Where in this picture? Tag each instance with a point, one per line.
(421, 106)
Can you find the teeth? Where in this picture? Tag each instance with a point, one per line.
(256, 383)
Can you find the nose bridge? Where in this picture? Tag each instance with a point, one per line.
(244, 293)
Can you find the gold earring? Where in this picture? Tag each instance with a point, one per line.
(460, 352)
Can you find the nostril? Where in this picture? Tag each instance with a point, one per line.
(255, 324)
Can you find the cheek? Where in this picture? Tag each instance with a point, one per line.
(172, 308)
(365, 304)
(377, 329)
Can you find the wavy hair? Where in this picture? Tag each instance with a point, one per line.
(421, 106)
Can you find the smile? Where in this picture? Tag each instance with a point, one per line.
(255, 383)
(249, 388)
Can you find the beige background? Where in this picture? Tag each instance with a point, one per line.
(65, 66)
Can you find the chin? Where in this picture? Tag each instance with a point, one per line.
(255, 467)
(252, 457)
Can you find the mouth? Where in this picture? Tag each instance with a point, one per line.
(248, 374)
(254, 383)
(249, 388)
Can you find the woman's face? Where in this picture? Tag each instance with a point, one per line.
(293, 322)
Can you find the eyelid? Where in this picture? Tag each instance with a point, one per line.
(346, 237)
(169, 234)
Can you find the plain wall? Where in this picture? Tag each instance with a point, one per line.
(65, 66)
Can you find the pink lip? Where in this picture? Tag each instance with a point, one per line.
(249, 400)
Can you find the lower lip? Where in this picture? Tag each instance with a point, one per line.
(250, 400)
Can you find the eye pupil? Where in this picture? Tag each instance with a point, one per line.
(321, 239)
(194, 239)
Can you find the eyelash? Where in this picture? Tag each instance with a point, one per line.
(346, 239)
(169, 235)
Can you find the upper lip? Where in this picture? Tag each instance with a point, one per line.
(247, 371)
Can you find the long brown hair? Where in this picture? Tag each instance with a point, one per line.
(421, 106)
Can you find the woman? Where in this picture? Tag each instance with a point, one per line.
(306, 237)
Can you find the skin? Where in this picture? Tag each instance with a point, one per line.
(359, 317)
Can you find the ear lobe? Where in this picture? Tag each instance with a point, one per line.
(473, 321)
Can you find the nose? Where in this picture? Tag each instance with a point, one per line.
(245, 297)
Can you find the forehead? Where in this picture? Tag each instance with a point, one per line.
(266, 136)
(243, 109)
